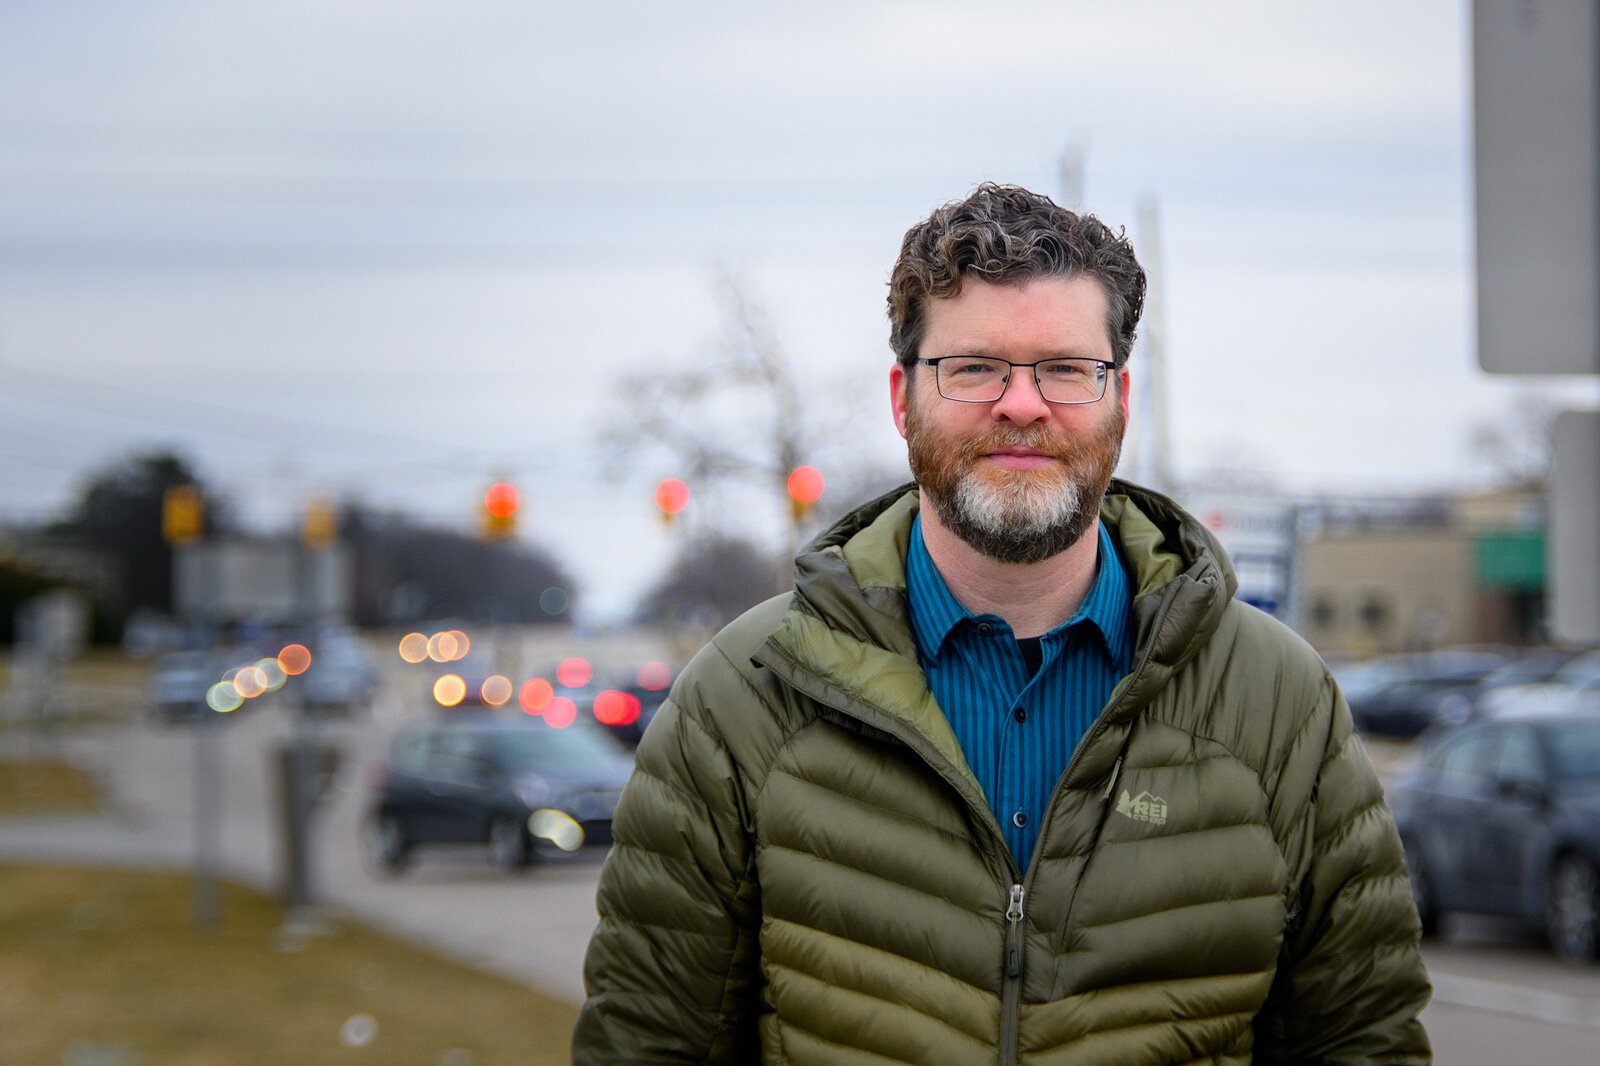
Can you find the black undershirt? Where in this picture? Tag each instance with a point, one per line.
(1032, 653)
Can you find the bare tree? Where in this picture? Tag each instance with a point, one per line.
(713, 579)
(1516, 447)
(733, 417)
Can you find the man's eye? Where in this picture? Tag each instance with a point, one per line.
(1067, 371)
(972, 369)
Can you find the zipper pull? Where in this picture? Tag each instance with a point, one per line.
(1014, 912)
(1013, 934)
(1111, 783)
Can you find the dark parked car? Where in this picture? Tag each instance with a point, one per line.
(516, 785)
(1503, 817)
(178, 683)
(1419, 690)
(1573, 686)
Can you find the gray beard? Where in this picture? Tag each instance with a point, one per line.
(1017, 524)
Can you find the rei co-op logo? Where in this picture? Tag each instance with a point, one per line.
(1143, 808)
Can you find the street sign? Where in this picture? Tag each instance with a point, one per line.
(272, 580)
(1536, 127)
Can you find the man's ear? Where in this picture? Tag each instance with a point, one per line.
(899, 387)
(1122, 391)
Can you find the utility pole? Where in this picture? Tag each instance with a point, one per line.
(1152, 433)
(1071, 177)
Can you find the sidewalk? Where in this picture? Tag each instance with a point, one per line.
(531, 928)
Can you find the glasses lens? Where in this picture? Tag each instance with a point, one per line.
(973, 379)
(1071, 380)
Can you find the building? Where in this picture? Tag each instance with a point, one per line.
(1413, 574)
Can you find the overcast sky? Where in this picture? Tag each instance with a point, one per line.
(398, 249)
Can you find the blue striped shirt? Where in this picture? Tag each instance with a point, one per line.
(1018, 731)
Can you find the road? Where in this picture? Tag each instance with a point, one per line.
(1499, 996)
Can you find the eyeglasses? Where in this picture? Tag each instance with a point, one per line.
(981, 379)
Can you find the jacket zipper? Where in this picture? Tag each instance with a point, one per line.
(1011, 986)
(1011, 978)
(1012, 965)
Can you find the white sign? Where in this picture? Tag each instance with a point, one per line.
(1536, 126)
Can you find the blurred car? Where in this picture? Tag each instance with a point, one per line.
(178, 684)
(514, 785)
(342, 674)
(1458, 705)
(1503, 817)
(1415, 690)
(624, 702)
(1573, 687)
(638, 703)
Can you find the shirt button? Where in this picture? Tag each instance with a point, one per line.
(1019, 820)
(1020, 714)
(985, 627)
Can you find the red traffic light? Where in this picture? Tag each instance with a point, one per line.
(805, 485)
(502, 500)
(672, 496)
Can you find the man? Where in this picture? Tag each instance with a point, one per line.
(1011, 777)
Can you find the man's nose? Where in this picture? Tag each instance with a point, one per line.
(1021, 401)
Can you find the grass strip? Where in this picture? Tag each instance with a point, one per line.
(104, 966)
(45, 786)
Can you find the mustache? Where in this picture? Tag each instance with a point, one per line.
(1035, 438)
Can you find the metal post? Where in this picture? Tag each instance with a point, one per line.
(208, 800)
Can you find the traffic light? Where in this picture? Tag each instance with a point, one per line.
(672, 496)
(320, 525)
(805, 489)
(500, 505)
(183, 515)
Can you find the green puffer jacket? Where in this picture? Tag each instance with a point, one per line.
(805, 870)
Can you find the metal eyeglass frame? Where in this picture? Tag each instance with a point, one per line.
(1106, 367)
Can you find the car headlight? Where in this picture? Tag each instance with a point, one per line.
(558, 827)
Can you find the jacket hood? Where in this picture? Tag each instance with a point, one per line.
(849, 607)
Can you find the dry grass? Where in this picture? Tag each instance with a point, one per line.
(32, 786)
(98, 685)
(104, 966)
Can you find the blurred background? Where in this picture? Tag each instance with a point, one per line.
(543, 334)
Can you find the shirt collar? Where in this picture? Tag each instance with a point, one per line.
(935, 611)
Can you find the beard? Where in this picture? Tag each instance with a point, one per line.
(1015, 516)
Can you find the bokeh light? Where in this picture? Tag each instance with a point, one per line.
(449, 690)
(574, 672)
(502, 500)
(612, 707)
(413, 647)
(536, 695)
(655, 676)
(358, 1030)
(223, 697)
(561, 713)
(554, 600)
(558, 827)
(495, 690)
(274, 672)
(448, 646)
(805, 484)
(672, 496)
(250, 681)
(295, 659)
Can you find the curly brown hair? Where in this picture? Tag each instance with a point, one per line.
(1007, 234)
